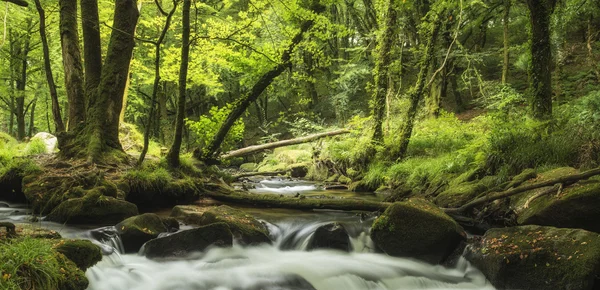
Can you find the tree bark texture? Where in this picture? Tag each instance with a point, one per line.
(540, 74)
(69, 38)
(173, 154)
(506, 53)
(92, 47)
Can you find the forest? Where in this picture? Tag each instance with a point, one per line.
(299, 144)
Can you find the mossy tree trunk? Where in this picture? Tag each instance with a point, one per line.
(20, 48)
(384, 59)
(506, 53)
(173, 154)
(92, 47)
(59, 126)
(72, 63)
(540, 74)
(416, 93)
(265, 80)
(97, 139)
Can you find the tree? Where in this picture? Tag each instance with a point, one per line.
(56, 114)
(173, 154)
(381, 70)
(264, 81)
(94, 131)
(540, 73)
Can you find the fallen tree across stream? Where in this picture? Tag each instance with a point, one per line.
(251, 174)
(300, 140)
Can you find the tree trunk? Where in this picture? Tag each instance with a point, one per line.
(92, 47)
(240, 106)
(416, 93)
(505, 20)
(22, 53)
(69, 38)
(32, 119)
(58, 123)
(382, 64)
(591, 36)
(98, 139)
(300, 140)
(173, 154)
(156, 86)
(540, 74)
(18, 2)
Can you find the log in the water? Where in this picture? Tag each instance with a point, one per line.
(219, 193)
(18, 2)
(565, 180)
(300, 140)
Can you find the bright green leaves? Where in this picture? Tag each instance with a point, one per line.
(207, 126)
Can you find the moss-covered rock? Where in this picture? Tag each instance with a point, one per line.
(416, 229)
(536, 257)
(35, 231)
(137, 230)
(93, 209)
(299, 170)
(153, 193)
(183, 243)
(460, 194)
(577, 206)
(248, 167)
(360, 186)
(344, 179)
(82, 252)
(244, 227)
(330, 236)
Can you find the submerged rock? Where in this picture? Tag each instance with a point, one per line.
(330, 236)
(183, 243)
(137, 230)
(82, 252)
(537, 257)
(92, 210)
(416, 229)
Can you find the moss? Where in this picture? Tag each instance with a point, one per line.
(156, 187)
(92, 209)
(418, 229)
(525, 175)
(29, 263)
(82, 252)
(333, 178)
(457, 195)
(137, 230)
(536, 257)
(344, 180)
(242, 225)
(249, 167)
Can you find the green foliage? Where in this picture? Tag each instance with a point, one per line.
(29, 263)
(207, 126)
(35, 147)
(150, 177)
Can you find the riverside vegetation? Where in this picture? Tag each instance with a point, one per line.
(446, 118)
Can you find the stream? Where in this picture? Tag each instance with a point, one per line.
(284, 265)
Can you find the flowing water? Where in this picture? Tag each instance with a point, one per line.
(284, 265)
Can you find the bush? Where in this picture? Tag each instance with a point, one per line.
(35, 147)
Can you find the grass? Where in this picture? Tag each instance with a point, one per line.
(28, 264)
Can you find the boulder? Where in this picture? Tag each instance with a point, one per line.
(49, 140)
(299, 170)
(137, 230)
(577, 206)
(416, 229)
(82, 252)
(183, 243)
(457, 195)
(330, 236)
(244, 227)
(101, 210)
(538, 257)
(522, 177)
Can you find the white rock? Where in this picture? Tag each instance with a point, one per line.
(50, 140)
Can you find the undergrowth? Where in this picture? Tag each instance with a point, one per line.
(28, 264)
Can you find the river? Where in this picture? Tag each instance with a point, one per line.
(284, 265)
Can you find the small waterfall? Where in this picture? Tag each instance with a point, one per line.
(280, 186)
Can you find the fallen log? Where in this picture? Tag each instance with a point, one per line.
(300, 140)
(219, 193)
(565, 180)
(250, 174)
